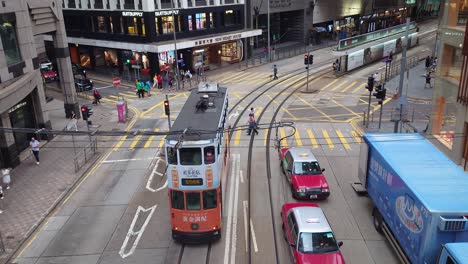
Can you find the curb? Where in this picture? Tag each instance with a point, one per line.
(56, 204)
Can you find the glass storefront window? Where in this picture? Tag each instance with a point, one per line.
(143, 29)
(101, 24)
(190, 23)
(201, 20)
(167, 24)
(121, 25)
(229, 18)
(211, 20)
(156, 22)
(10, 42)
(111, 25)
(132, 26)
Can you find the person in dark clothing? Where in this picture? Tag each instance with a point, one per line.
(428, 80)
(97, 97)
(275, 72)
(428, 62)
(252, 126)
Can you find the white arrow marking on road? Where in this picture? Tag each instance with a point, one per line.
(236, 114)
(162, 187)
(138, 233)
(254, 238)
(154, 172)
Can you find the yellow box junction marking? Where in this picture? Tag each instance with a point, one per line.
(312, 138)
(360, 87)
(343, 140)
(356, 136)
(298, 138)
(348, 87)
(328, 85)
(265, 136)
(327, 138)
(161, 144)
(338, 86)
(237, 137)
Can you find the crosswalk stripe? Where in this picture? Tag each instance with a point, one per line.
(109, 100)
(356, 136)
(312, 138)
(298, 138)
(135, 141)
(294, 79)
(119, 144)
(284, 142)
(233, 77)
(161, 144)
(258, 110)
(328, 85)
(359, 87)
(338, 86)
(327, 138)
(150, 139)
(349, 86)
(299, 84)
(237, 137)
(343, 140)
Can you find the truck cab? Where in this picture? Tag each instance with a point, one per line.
(453, 253)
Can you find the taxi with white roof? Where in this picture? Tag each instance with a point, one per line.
(308, 234)
(303, 172)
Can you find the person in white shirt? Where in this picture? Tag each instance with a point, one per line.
(35, 148)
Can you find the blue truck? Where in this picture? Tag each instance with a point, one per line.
(420, 197)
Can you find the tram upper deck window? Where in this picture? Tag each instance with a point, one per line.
(209, 199)
(209, 155)
(171, 156)
(190, 156)
(177, 200)
(193, 200)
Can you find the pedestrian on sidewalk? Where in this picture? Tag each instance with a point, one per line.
(252, 126)
(6, 178)
(165, 81)
(35, 148)
(155, 80)
(97, 97)
(148, 88)
(428, 62)
(428, 80)
(159, 79)
(376, 78)
(72, 125)
(275, 72)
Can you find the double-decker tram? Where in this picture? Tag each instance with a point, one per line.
(197, 155)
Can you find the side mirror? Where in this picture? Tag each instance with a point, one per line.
(323, 170)
(340, 243)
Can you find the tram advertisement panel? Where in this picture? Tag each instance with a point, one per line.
(373, 53)
(193, 177)
(389, 46)
(355, 59)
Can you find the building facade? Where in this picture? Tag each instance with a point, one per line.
(136, 37)
(22, 97)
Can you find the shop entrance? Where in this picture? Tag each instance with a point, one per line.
(22, 116)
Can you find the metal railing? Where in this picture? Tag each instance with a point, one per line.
(395, 67)
(85, 154)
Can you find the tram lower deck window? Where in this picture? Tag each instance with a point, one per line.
(177, 200)
(190, 156)
(210, 199)
(193, 201)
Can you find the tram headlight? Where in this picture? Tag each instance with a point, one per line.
(194, 226)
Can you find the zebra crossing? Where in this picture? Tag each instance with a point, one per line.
(341, 85)
(315, 138)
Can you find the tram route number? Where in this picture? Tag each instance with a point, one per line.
(192, 181)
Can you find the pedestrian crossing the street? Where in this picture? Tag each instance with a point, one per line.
(314, 138)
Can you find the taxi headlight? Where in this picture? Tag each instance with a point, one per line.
(325, 190)
(301, 190)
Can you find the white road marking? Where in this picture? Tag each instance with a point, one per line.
(123, 160)
(150, 179)
(139, 233)
(234, 217)
(229, 218)
(246, 227)
(162, 187)
(236, 114)
(241, 176)
(254, 239)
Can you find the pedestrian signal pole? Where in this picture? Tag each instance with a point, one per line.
(308, 61)
(167, 111)
(370, 87)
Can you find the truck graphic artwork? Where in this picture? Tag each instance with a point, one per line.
(409, 214)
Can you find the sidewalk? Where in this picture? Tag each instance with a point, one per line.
(37, 189)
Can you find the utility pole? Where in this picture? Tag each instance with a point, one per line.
(168, 113)
(402, 76)
(268, 30)
(308, 69)
(175, 46)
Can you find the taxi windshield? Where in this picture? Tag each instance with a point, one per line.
(317, 242)
(307, 168)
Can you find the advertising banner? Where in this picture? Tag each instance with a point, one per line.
(373, 53)
(355, 59)
(389, 46)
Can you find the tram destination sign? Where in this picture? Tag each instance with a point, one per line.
(192, 181)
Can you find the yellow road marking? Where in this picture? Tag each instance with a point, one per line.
(161, 144)
(282, 108)
(258, 111)
(150, 139)
(237, 95)
(159, 104)
(312, 138)
(338, 86)
(238, 75)
(356, 136)
(284, 142)
(237, 137)
(348, 87)
(327, 138)
(265, 137)
(135, 141)
(119, 144)
(109, 100)
(343, 139)
(328, 85)
(294, 79)
(299, 84)
(359, 87)
(298, 138)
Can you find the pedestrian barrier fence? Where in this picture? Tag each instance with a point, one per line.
(84, 154)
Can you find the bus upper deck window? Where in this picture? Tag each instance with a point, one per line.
(193, 200)
(209, 155)
(190, 156)
(171, 156)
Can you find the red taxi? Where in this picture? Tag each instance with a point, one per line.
(310, 237)
(303, 172)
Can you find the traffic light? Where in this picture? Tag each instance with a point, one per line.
(306, 59)
(84, 112)
(166, 107)
(311, 59)
(380, 93)
(370, 84)
(127, 62)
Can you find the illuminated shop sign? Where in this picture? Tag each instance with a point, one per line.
(218, 39)
(16, 107)
(166, 13)
(132, 14)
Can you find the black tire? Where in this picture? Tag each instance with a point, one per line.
(284, 233)
(282, 167)
(378, 220)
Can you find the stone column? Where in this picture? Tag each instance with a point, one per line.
(62, 53)
(7, 144)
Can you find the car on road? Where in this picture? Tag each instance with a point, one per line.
(309, 235)
(47, 71)
(78, 70)
(83, 84)
(304, 174)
